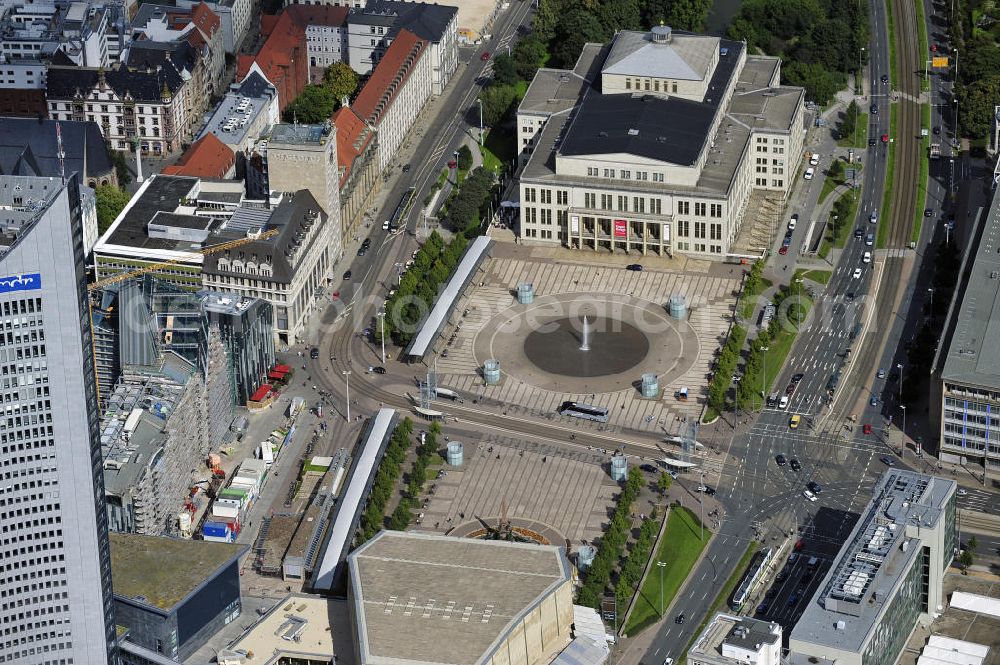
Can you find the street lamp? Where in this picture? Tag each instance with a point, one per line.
(381, 324)
(480, 102)
(862, 86)
(902, 446)
(661, 565)
(347, 378)
(899, 366)
(399, 273)
(954, 98)
(931, 292)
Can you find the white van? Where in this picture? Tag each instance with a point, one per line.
(783, 403)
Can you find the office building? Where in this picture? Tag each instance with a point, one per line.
(172, 595)
(655, 143)
(887, 577)
(305, 157)
(966, 385)
(395, 93)
(245, 327)
(372, 29)
(247, 112)
(736, 640)
(326, 35)
(360, 177)
(55, 587)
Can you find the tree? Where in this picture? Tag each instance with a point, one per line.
(528, 55)
(341, 80)
(850, 121)
(464, 158)
(121, 167)
(976, 102)
(966, 559)
(820, 83)
(504, 71)
(315, 104)
(110, 202)
(837, 169)
(664, 482)
(575, 28)
(497, 101)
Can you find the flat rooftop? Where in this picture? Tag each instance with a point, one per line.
(161, 572)
(969, 360)
(297, 135)
(311, 628)
(873, 560)
(758, 72)
(437, 599)
(161, 194)
(767, 108)
(553, 91)
(743, 632)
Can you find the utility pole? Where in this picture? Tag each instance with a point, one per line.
(899, 366)
(381, 322)
(661, 565)
(902, 447)
(701, 503)
(954, 84)
(347, 378)
(480, 102)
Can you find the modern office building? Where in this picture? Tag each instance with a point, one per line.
(245, 326)
(887, 576)
(655, 143)
(305, 157)
(737, 640)
(246, 113)
(967, 386)
(171, 594)
(55, 585)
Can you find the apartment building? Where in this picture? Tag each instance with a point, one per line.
(247, 112)
(664, 154)
(357, 159)
(282, 60)
(188, 61)
(395, 93)
(55, 587)
(326, 35)
(199, 26)
(236, 18)
(372, 29)
(150, 107)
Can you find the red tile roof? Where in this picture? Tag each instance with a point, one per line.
(328, 15)
(283, 59)
(206, 20)
(352, 137)
(399, 58)
(208, 157)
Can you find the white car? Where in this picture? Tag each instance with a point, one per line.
(385, 225)
(867, 258)
(809, 173)
(873, 218)
(668, 661)
(791, 224)
(857, 273)
(814, 159)
(783, 403)
(808, 495)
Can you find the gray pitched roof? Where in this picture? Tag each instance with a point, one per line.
(29, 147)
(682, 58)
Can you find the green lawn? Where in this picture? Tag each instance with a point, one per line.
(891, 22)
(781, 345)
(862, 134)
(830, 241)
(724, 593)
(890, 166)
(925, 167)
(679, 547)
(749, 299)
(829, 184)
(818, 276)
(925, 83)
(499, 149)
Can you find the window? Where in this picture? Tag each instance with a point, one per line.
(529, 195)
(609, 173)
(716, 231)
(622, 202)
(683, 228)
(699, 209)
(716, 210)
(589, 200)
(641, 175)
(656, 85)
(628, 83)
(638, 204)
(605, 202)
(699, 230)
(683, 207)
(591, 171)
(646, 84)
(777, 183)
(674, 87)
(562, 197)
(657, 177)
(655, 206)
(547, 196)
(625, 175)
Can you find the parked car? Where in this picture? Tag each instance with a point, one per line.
(648, 468)
(378, 370)
(797, 377)
(793, 423)
(347, 276)
(867, 429)
(814, 487)
(783, 250)
(881, 373)
(814, 159)
(888, 461)
(808, 495)
(794, 463)
(385, 225)
(635, 267)
(810, 172)
(781, 460)
(314, 353)
(485, 56)
(873, 400)
(362, 250)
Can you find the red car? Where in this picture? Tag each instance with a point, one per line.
(885, 138)
(485, 56)
(867, 428)
(452, 164)
(783, 250)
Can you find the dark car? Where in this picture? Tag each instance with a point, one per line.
(314, 353)
(867, 429)
(366, 243)
(937, 131)
(762, 609)
(347, 276)
(885, 78)
(873, 109)
(406, 168)
(859, 233)
(378, 370)
(794, 463)
(871, 142)
(800, 545)
(782, 576)
(793, 599)
(928, 212)
(680, 618)
(814, 487)
(362, 250)
(648, 468)
(888, 461)
(635, 267)
(485, 56)
(790, 388)
(710, 491)
(783, 250)
(781, 460)
(797, 377)
(452, 163)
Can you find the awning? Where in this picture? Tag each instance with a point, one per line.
(284, 369)
(277, 376)
(261, 393)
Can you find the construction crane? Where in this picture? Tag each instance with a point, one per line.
(252, 236)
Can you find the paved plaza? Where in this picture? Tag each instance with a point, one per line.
(556, 492)
(489, 323)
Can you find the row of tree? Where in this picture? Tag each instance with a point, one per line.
(373, 519)
(725, 366)
(635, 562)
(419, 287)
(820, 40)
(468, 205)
(317, 102)
(612, 545)
(426, 451)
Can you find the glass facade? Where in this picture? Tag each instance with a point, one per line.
(971, 423)
(900, 617)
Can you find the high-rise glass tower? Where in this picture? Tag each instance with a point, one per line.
(55, 568)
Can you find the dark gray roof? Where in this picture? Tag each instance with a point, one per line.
(144, 86)
(425, 20)
(293, 218)
(29, 147)
(254, 85)
(162, 194)
(672, 129)
(145, 55)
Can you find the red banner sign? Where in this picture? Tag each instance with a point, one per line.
(621, 228)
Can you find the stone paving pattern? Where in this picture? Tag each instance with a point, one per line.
(710, 298)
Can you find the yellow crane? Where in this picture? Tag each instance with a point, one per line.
(153, 267)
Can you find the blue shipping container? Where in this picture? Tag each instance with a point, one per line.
(217, 529)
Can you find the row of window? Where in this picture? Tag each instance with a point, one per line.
(645, 84)
(699, 247)
(700, 229)
(621, 174)
(762, 182)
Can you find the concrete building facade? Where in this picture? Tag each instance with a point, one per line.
(736, 640)
(664, 154)
(887, 577)
(55, 586)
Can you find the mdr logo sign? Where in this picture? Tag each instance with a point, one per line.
(26, 282)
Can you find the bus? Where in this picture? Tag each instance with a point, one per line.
(585, 411)
(403, 208)
(755, 573)
(444, 393)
